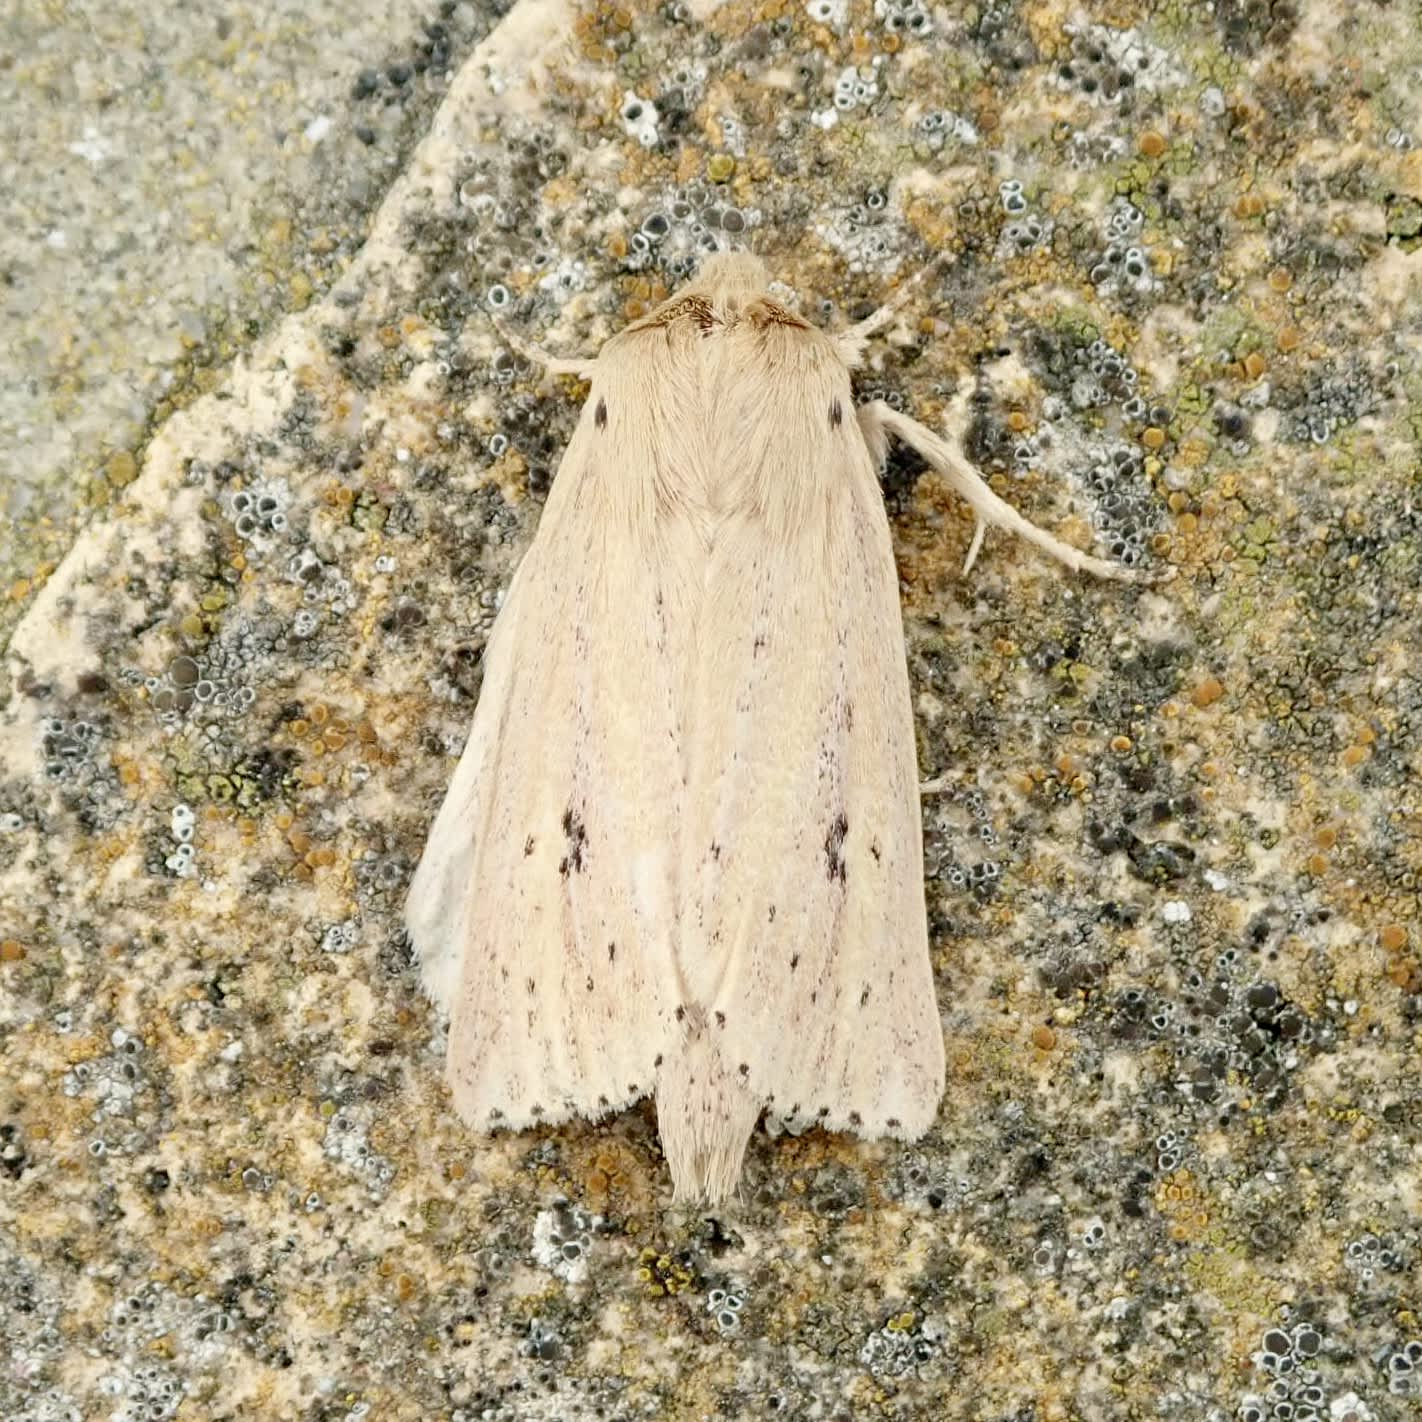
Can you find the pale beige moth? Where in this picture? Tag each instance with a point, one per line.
(681, 855)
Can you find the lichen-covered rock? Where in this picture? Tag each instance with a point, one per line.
(1173, 866)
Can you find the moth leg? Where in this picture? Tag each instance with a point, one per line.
(936, 786)
(850, 344)
(975, 547)
(536, 355)
(879, 421)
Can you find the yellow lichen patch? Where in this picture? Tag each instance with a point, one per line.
(1207, 692)
(121, 469)
(1233, 1281)
(662, 1274)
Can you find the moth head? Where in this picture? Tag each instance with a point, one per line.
(729, 280)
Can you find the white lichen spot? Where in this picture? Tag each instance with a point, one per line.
(1176, 911)
(904, 17)
(347, 1141)
(1349, 1408)
(725, 1305)
(938, 126)
(901, 1347)
(1212, 102)
(834, 13)
(640, 119)
(854, 89)
(93, 147)
(562, 1241)
(181, 861)
(570, 275)
(341, 937)
(733, 135)
(1152, 69)
(258, 513)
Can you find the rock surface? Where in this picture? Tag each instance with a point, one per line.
(1173, 871)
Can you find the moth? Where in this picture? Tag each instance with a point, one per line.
(681, 855)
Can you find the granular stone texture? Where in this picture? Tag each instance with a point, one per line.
(1172, 862)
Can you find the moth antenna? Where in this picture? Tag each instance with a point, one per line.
(536, 355)
(879, 420)
(850, 344)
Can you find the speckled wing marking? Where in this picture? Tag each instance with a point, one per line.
(543, 908)
(804, 944)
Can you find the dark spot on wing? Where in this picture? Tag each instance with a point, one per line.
(893, 1123)
(822, 1112)
(772, 913)
(657, 1060)
(720, 1019)
(572, 861)
(794, 961)
(535, 1110)
(681, 1014)
(715, 851)
(528, 846)
(848, 715)
(836, 413)
(603, 1101)
(611, 952)
(600, 415)
(875, 850)
(590, 987)
(529, 984)
(495, 1114)
(863, 996)
(758, 644)
(834, 847)
(855, 1119)
(744, 1068)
